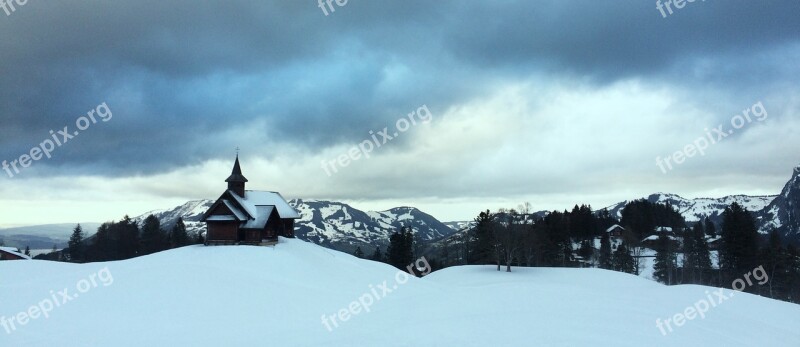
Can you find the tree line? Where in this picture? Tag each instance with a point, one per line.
(124, 239)
(681, 254)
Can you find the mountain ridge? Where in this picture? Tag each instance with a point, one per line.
(341, 226)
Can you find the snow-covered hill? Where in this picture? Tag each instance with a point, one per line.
(241, 295)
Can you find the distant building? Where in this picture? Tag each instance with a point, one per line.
(714, 242)
(9, 253)
(664, 230)
(615, 230)
(248, 217)
(652, 242)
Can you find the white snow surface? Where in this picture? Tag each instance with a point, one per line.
(242, 295)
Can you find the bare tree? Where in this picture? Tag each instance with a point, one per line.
(509, 236)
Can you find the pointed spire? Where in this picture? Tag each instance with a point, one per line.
(236, 173)
(236, 180)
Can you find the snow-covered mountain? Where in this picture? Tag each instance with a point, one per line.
(332, 224)
(783, 213)
(460, 225)
(190, 211)
(343, 227)
(693, 210)
(780, 212)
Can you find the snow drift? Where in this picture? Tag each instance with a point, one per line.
(211, 296)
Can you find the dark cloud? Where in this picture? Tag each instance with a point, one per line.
(185, 79)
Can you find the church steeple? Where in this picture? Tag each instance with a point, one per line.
(236, 180)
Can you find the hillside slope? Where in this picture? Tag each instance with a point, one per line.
(212, 296)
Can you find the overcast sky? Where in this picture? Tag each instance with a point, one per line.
(548, 102)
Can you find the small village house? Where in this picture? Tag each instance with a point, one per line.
(615, 230)
(9, 253)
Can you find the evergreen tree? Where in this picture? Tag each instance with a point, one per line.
(773, 256)
(697, 258)
(665, 262)
(77, 249)
(623, 261)
(792, 280)
(638, 217)
(582, 223)
(118, 241)
(483, 249)
(689, 272)
(586, 251)
(152, 237)
(554, 244)
(127, 232)
(604, 259)
(642, 217)
(782, 265)
(604, 220)
(401, 248)
(28, 250)
(377, 255)
(739, 244)
(711, 229)
(178, 236)
(100, 249)
(358, 252)
(702, 257)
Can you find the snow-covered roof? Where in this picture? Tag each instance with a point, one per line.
(253, 198)
(236, 212)
(262, 216)
(655, 238)
(615, 226)
(15, 252)
(253, 210)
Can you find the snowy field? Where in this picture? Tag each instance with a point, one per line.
(228, 296)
